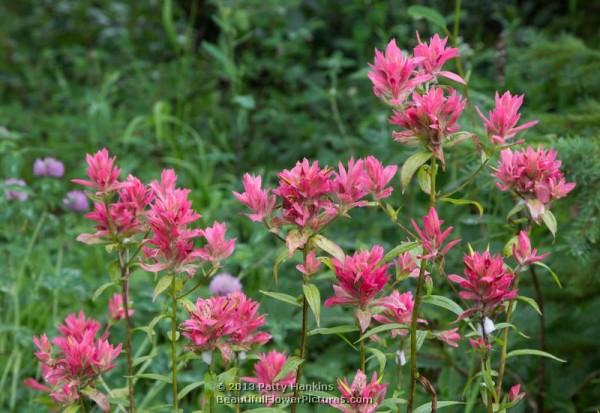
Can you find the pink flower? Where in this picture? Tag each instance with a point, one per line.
(522, 251)
(256, 198)
(74, 361)
(406, 266)
(15, 194)
(515, 394)
(360, 278)
(304, 194)
(393, 74)
(487, 283)
(502, 122)
(360, 397)
(48, 167)
(429, 119)
(398, 310)
(311, 265)
(266, 370)
(223, 284)
(217, 248)
(379, 177)
(102, 172)
(171, 245)
(450, 337)
(116, 310)
(479, 344)
(535, 175)
(432, 237)
(225, 323)
(434, 55)
(352, 185)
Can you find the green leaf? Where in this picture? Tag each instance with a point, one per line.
(454, 201)
(290, 366)
(168, 22)
(552, 273)
(400, 249)
(550, 221)
(516, 209)
(501, 326)
(333, 330)
(381, 359)
(429, 14)
(281, 257)
(286, 298)
(410, 167)
(531, 302)
(423, 179)
(101, 289)
(313, 297)
(72, 408)
(533, 352)
(184, 392)
(382, 329)
(329, 247)
(426, 408)
(153, 376)
(443, 302)
(507, 250)
(161, 286)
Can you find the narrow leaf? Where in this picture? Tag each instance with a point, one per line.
(382, 329)
(400, 249)
(423, 179)
(281, 257)
(381, 359)
(101, 289)
(552, 273)
(187, 389)
(329, 247)
(313, 297)
(153, 376)
(410, 167)
(161, 286)
(333, 330)
(286, 298)
(454, 201)
(533, 352)
(290, 366)
(550, 221)
(443, 302)
(531, 302)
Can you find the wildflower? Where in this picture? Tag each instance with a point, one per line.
(304, 194)
(225, 323)
(116, 310)
(256, 198)
(311, 265)
(48, 167)
(14, 194)
(502, 122)
(429, 119)
(224, 284)
(360, 397)
(169, 216)
(406, 266)
(266, 369)
(450, 337)
(217, 248)
(480, 344)
(352, 185)
(393, 74)
(379, 176)
(74, 360)
(398, 308)
(76, 201)
(515, 394)
(432, 237)
(360, 278)
(102, 172)
(534, 175)
(522, 251)
(434, 55)
(487, 283)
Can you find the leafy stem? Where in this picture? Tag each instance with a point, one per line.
(125, 273)
(303, 338)
(173, 343)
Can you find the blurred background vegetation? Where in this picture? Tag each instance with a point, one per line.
(218, 88)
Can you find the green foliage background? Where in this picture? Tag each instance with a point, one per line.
(218, 88)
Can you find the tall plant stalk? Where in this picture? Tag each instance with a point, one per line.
(303, 339)
(174, 344)
(125, 273)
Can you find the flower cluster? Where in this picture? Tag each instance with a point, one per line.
(535, 176)
(360, 278)
(398, 308)
(522, 251)
(48, 167)
(226, 323)
(487, 283)
(361, 396)
(502, 123)
(429, 117)
(73, 361)
(266, 370)
(223, 284)
(432, 237)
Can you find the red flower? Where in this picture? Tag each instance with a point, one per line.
(434, 55)
(256, 198)
(266, 369)
(360, 397)
(432, 237)
(102, 172)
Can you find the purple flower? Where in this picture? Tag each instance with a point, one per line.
(224, 283)
(48, 167)
(76, 201)
(15, 194)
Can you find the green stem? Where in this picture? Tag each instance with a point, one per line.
(128, 347)
(413, 339)
(173, 344)
(504, 350)
(211, 400)
(362, 355)
(237, 384)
